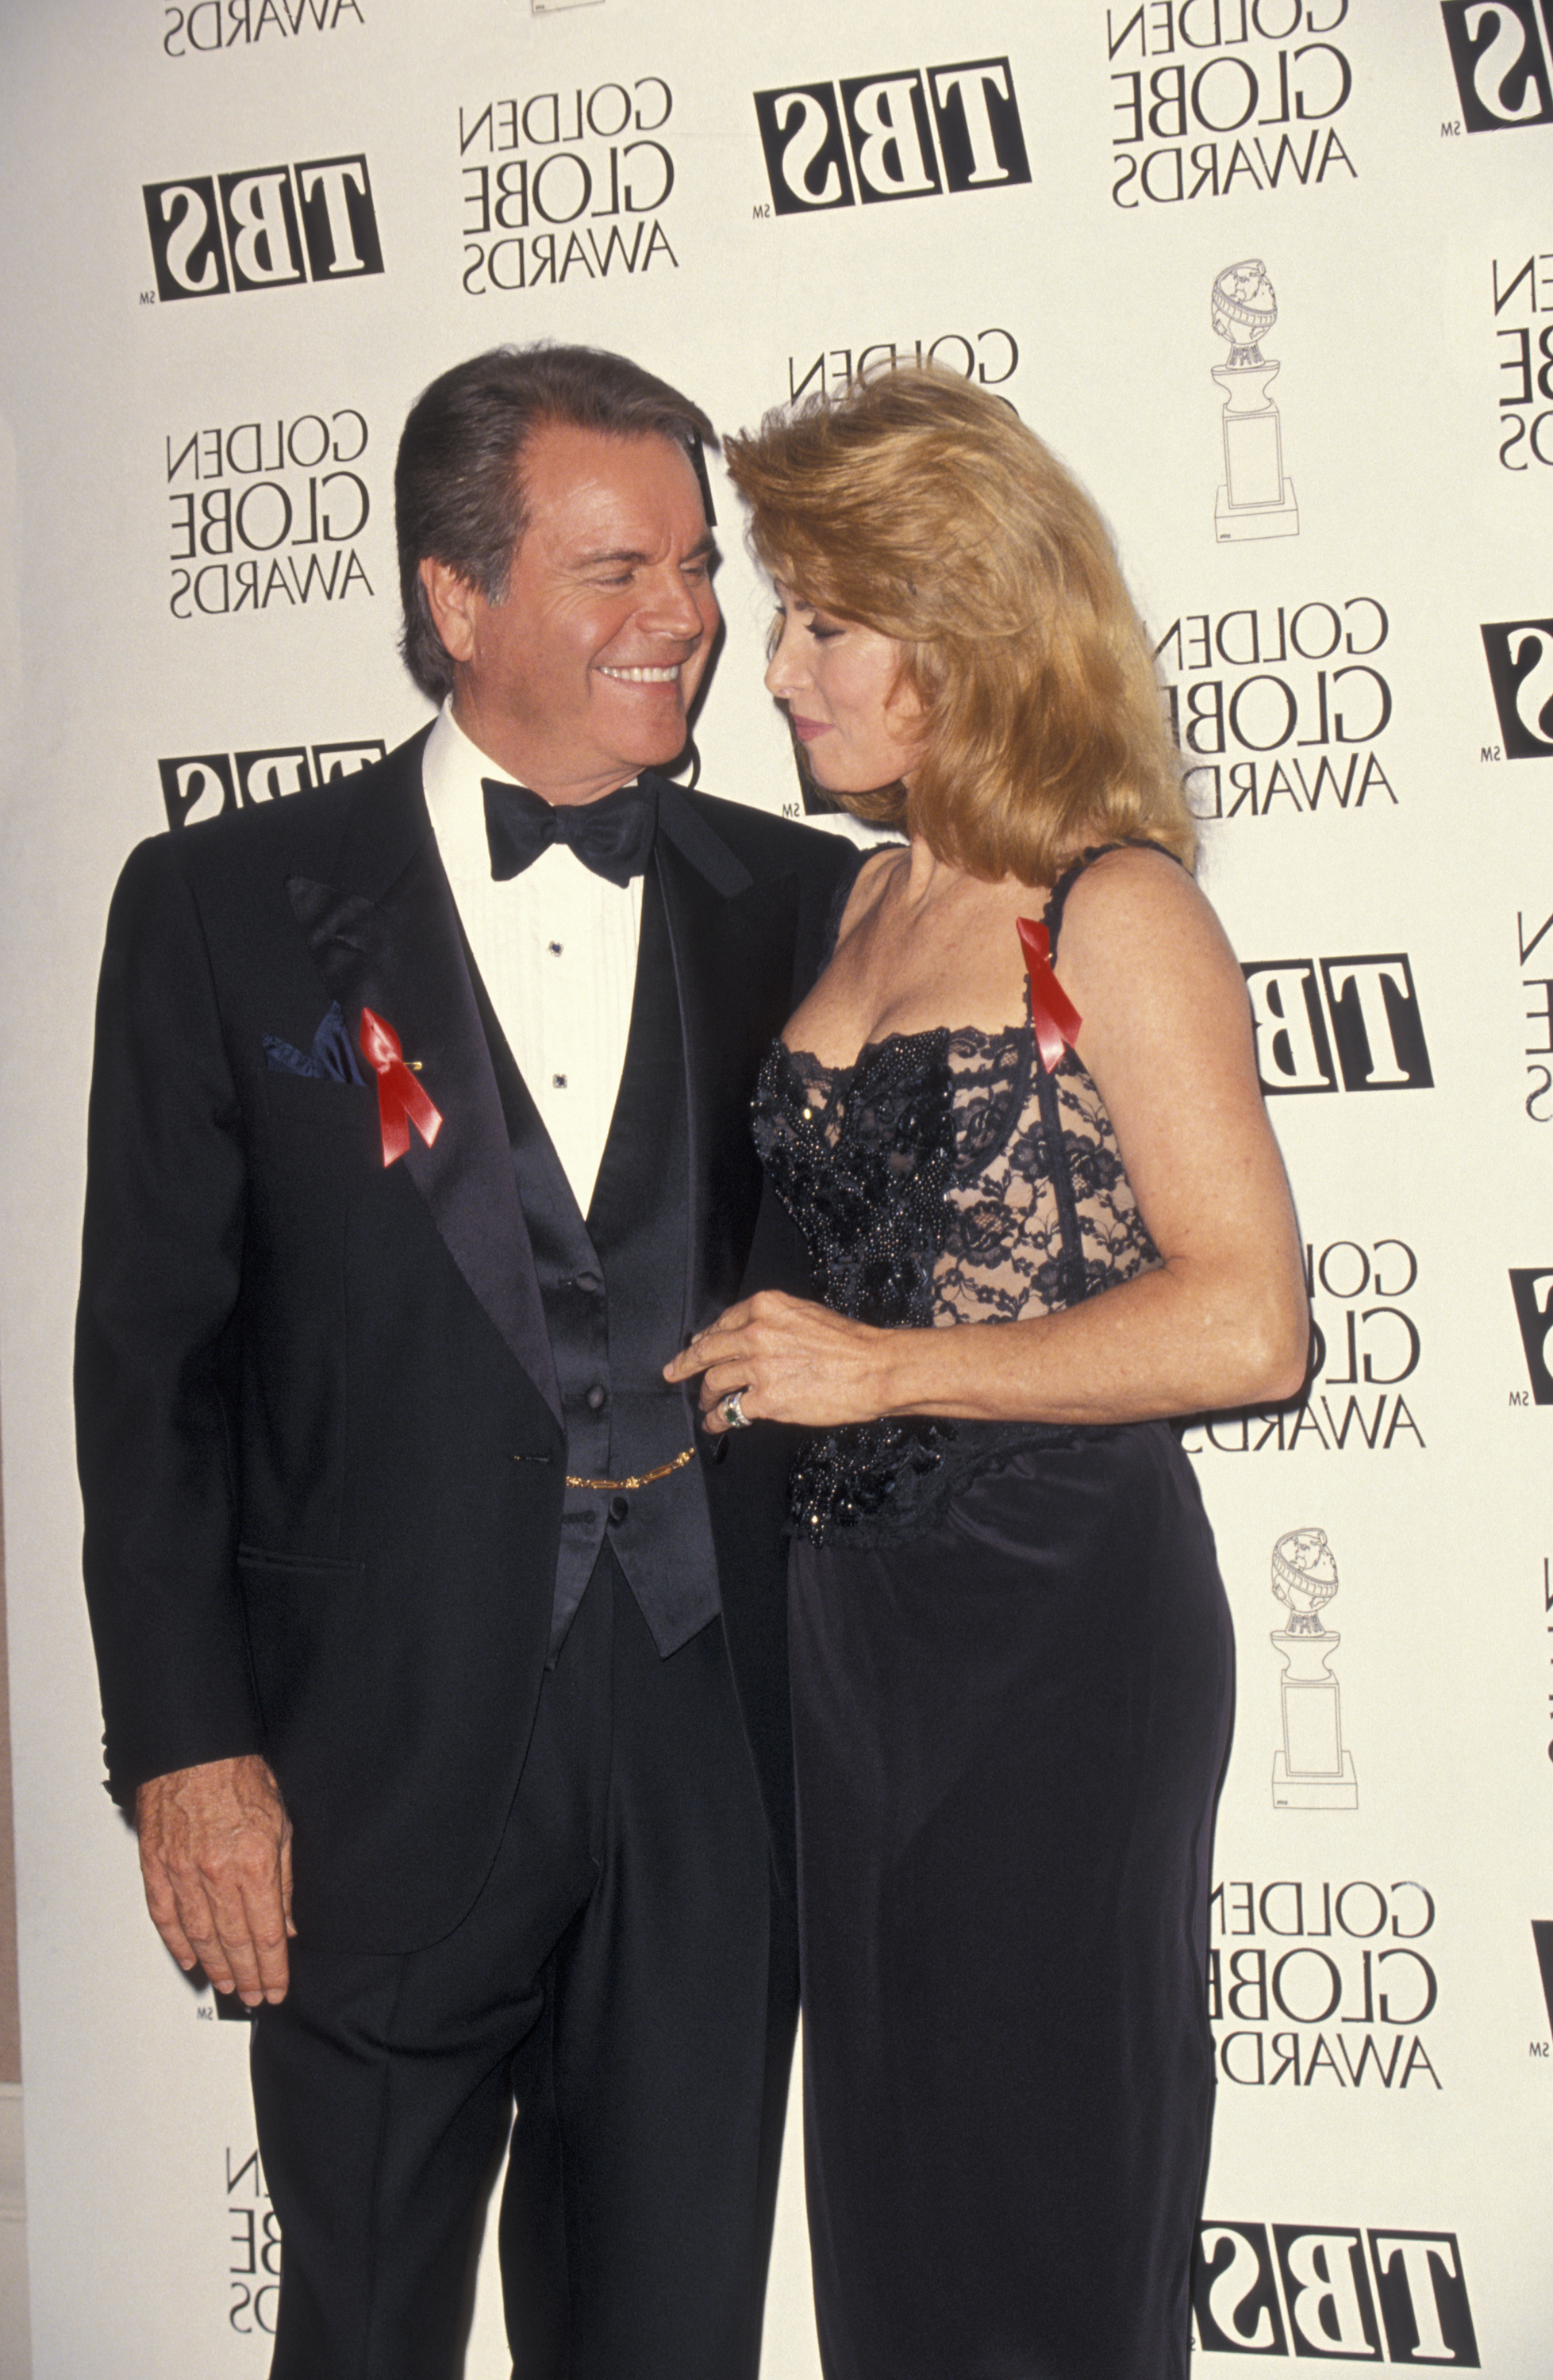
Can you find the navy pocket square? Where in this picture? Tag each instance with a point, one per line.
(330, 1059)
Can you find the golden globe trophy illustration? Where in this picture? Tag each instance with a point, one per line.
(1311, 1771)
(1255, 500)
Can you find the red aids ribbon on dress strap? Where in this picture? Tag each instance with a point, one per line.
(400, 1100)
(1055, 1019)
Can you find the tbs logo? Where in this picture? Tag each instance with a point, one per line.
(1419, 2283)
(268, 226)
(1532, 1288)
(205, 784)
(874, 136)
(1501, 50)
(1375, 1024)
(1521, 665)
(1542, 1935)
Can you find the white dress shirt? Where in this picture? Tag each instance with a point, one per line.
(556, 949)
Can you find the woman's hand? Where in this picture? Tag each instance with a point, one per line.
(791, 1361)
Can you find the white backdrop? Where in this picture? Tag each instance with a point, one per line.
(180, 588)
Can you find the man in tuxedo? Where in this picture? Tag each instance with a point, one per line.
(419, 1144)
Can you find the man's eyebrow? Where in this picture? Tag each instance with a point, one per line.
(702, 551)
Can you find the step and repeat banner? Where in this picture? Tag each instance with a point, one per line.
(1275, 277)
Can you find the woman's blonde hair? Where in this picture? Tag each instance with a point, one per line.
(917, 505)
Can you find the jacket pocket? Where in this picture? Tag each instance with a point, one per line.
(260, 1561)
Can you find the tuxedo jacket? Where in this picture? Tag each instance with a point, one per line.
(319, 1436)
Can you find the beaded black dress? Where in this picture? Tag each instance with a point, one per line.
(1012, 1680)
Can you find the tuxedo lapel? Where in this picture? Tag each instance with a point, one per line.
(384, 935)
(732, 942)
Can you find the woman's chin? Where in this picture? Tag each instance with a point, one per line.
(840, 784)
(817, 776)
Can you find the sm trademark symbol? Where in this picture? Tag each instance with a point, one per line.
(1519, 1397)
(1450, 131)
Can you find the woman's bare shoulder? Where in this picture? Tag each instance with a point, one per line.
(1140, 945)
(1136, 889)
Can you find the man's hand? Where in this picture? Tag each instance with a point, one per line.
(215, 1853)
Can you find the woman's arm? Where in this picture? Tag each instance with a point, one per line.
(1222, 1321)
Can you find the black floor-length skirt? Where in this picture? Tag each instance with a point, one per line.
(1009, 1732)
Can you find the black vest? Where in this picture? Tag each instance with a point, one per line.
(614, 1292)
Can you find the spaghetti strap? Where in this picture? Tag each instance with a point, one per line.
(1070, 876)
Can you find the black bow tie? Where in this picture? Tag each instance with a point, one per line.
(613, 836)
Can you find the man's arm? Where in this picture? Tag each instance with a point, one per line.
(155, 1353)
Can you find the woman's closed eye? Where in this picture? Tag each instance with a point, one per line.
(812, 623)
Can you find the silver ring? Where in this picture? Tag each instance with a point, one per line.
(733, 1410)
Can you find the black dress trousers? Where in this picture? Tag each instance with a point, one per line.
(627, 1977)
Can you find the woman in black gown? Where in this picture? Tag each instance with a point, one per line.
(1020, 1123)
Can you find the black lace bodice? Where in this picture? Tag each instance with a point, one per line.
(946, 1177)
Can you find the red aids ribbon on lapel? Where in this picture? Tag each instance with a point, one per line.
(1055, 1019)
(400, 1100)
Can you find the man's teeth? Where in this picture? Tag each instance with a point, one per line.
(643, 676)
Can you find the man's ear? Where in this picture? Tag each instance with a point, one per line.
(452, 602)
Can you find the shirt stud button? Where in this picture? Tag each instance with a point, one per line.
(596, 1398)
